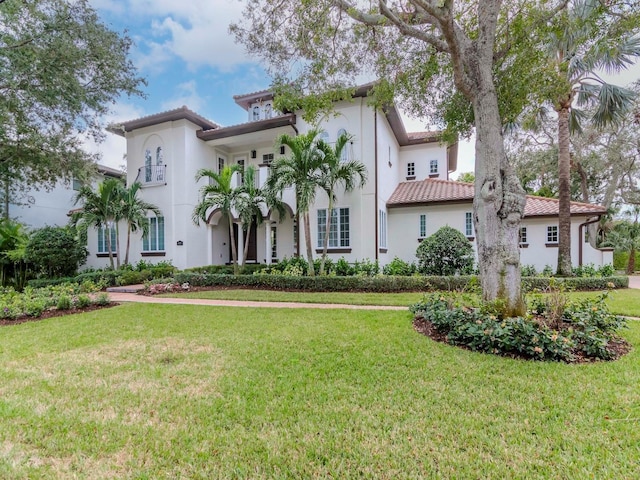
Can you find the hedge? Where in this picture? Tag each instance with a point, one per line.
(247, 269)
(381, 283)
(621, 260)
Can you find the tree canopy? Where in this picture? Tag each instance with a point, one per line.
(62, 69)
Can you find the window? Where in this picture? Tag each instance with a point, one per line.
(324, 136)
(256, 113)
(383, 229)
(295, 234)
(344, 155)
(274, 242)
(411, 169)
(220, 165)
(433, 166)
(241, 165)
(148, 169)
(468, 224)
(76, 184)
(268, 110)
(586, 235)
(338, 230)
(103, 231)
(423, 226)
(267, 158)
(159, 165)
(552, 234)
(153, 241)
(523, 235)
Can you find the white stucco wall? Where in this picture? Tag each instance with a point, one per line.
(421, 155)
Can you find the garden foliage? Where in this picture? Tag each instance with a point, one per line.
(446, 252)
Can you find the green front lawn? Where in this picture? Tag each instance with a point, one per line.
(163, 391)
(622, 302)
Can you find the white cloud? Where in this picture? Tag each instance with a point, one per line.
(196, 31)
(186, 95)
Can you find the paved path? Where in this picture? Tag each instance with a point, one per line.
(634, 281)
(132, 297)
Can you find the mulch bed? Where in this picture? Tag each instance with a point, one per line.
(617, 346)
(54, 312)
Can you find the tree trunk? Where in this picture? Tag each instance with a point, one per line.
(232, 240)
(245, 253)
(564, 191)
(126, 255)
(325, 245)
(307, 237)
(498, 204)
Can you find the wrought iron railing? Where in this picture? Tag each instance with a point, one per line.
(152, 175)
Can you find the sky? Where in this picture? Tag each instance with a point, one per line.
(187, 56)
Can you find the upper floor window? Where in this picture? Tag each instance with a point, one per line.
(552, 234)
(423, 226)
(344, 155)
(338, 229)
(268, 110)
(433, 166)
(468, 224)
(220, 165)
(255, 113)
(267, 158)
(411, 169)
(153, 241)
(241, 165)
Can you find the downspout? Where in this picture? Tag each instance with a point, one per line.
(375, 160)
(581, 236)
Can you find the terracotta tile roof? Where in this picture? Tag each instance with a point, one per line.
(437, 191)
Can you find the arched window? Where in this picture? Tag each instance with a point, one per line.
(268, 110)
(256, 113)
(344, 155)
(159, 165)
(324, 136)
(147, 165)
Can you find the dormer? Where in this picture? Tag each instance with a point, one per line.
(258, 105)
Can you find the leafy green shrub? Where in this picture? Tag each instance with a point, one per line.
(102, 299)
(446, 252)
(34, 307)
(366, 268)
(397, 266)
(621, 260)
(343, 268)
(64, 303)
(83, 301)
(528, 270)
(55, 252)
(45, 282)
(104, 277)
(133, 277)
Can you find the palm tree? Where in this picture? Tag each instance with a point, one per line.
(99, 209)
(218, 193)
(134, 210)
(301, 170)
(250, 201)
(335, 171)
(580, 48)
(13, 242)
(625, 237)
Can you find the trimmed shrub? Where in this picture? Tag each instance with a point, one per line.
(382, 283)
(105, 277)
(446, 252)
(397, 266)
(64, 303)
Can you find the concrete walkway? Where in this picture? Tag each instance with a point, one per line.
(132, 297)
(634, 281)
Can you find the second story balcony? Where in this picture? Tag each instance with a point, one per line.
(151, 175)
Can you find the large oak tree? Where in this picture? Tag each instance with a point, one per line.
(463, 62)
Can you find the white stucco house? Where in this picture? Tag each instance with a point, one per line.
(408, 195)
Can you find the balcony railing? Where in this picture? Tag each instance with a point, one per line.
(152, 175)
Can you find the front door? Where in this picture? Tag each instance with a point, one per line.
(252, 254)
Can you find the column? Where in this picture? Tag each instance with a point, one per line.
(209, 244)
(267, 243)
(240, 244)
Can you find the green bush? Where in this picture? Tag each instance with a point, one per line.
(55, 252)
(105, 277)
(102, 299)
(45, 282)
(132, 277)
(64, 303)
(343, 268)
(528, 270)
(587, 327)
(446, 252)
(397, 266)
(83, 301)
(621, 260)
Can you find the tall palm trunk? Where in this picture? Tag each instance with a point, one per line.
(109, 248)
(126, 254)
(245, 253)
(307, 236)
(564, 190)
(325, 246)
(631, 264)
(232, 242)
